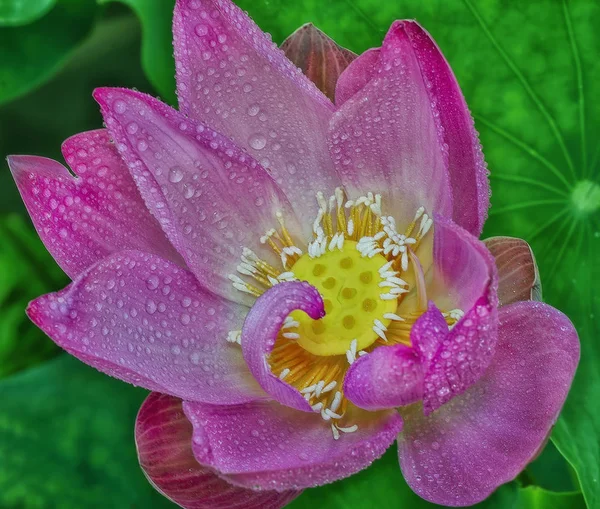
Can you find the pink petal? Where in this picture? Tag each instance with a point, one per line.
(268, 446)
(387, 138)
(356, 75)
(389, 377)
(82, 219)
(321, 59)
(486, 436)
(428, 332)
(211, 198)
(469, 281)
(164, 443)
(463, 268)
(145, 320)
(261, 328)
(231, 76)
(468, 171)
(518, 277)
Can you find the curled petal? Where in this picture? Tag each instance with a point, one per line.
(389, 377)
(231, 76)
(267, 446)
(463, 357)
(466, 277)
(210, 197)
(84, 218)
(146, 321)
(356, 75)
(518, 276)
(321, 59)
(386, 137)
(261, 327)
(487, 435)
(464, 269)
(163, 436)
(428, 332)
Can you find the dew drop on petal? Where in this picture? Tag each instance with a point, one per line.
(152, 282)
(257, 141)
(150, 306)
(120, 106)
(253, 110)
(201, 30)
(175, 175)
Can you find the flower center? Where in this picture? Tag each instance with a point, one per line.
(352, 287)
(360, 263)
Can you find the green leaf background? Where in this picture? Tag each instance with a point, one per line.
(530, 73)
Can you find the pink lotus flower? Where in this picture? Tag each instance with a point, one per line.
(187, 239)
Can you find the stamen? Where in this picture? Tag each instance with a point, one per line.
(235, 336)
(289, 323)
(379, 332)
(284, 231)
(393, 317)
(349, 429)
(337, 400)
(340, 226)
(336, 433)
(419, 281)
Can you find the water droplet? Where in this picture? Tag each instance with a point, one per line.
(120, 106)
(257, 141)
(152, 282)
(150, 306)
(253, 110)
(201, 30)
(175, 175)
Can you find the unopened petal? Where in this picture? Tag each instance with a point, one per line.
(321, 59)
(518, 277)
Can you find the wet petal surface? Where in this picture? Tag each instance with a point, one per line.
(148, 322)
(163, 437)
(269, 446)
(483, 438)
(85, 218)
(233, 77)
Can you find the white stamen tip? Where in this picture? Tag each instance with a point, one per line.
(336, 433)
(235, 336)
(393, 316)
(379, 332)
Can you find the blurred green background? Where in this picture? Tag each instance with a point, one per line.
(530, 72)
